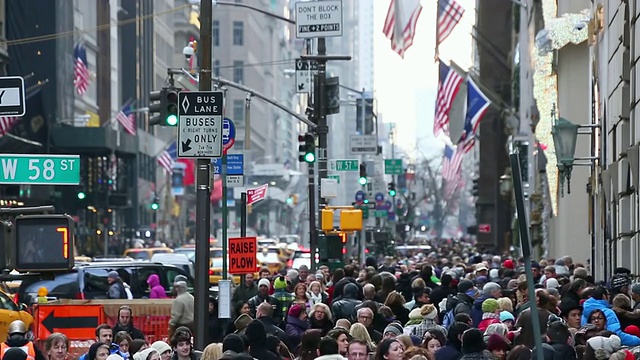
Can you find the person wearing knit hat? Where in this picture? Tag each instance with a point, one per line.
(297, 324)
(232, 344)
(635, 295)
(508, 319)
(508, 264)
(282, 294)
(264, 285)
(473, 344)
(162, 348)
(552, 283)
(415, 318)
(632, 330)
(604, 347)
(392, 330)
(498, 346)
(490, 313)
(429, 316)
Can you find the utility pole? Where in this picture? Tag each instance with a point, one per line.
(203, 191)
(321, 117)
(526, 90)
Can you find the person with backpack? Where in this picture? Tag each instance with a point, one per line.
(462, 302)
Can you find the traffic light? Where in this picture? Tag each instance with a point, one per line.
(155, 204)
(343, 240)
(392, 189)
(171, 118)
(165, 104)
(307, 148)
(476, 188)
(81, 195)
(363, 175)
(290, 200)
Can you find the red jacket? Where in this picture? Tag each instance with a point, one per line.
(484, 324)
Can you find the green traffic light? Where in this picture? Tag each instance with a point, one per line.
(309, 157)
(172, 120)
(392, 193)
(362, 181)
(81, 195)
(289, 200)
(155, 206)
(366, 201)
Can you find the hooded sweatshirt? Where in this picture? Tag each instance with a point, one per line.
(157, 291)
(613, 324)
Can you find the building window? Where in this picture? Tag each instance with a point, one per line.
(238, 145)
(216, 68)
(238, 33)
(238, 71)
(238, 112)
(216, 33)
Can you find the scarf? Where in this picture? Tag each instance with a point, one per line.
(313, 299)
(490, 316)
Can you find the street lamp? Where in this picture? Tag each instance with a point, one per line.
(565, 135)
(506, 185)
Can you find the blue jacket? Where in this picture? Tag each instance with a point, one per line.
(476, 310)
(613, 324)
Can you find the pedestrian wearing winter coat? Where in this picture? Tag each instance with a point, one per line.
(297, 324)
(156, 290)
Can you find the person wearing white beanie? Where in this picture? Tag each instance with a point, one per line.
(603, 347)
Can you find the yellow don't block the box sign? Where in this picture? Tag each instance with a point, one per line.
(350, 220)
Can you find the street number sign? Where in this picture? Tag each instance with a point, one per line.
(40, 169)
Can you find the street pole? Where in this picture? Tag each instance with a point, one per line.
(393, 180)
(203, 192)
(225, 216)
(363, 232)
(243, 226)
(313, 233)
(320, 109)
(526, 90)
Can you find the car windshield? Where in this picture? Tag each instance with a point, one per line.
(269, 258)
(139, 255)
(216, 263)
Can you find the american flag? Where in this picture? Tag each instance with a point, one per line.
(449, 15)
(7, 123)
(400, 24)
(448, 86)
(451, 164)
(167, 157)
(81, 75)
(477, 105)
(126, 118)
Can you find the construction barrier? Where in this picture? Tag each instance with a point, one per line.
(78, 319)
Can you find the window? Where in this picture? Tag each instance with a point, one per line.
(216, 33)
(216, 68)
(238, 33)
(7, 303)
(239, 145)
(238, 71)
(238, 111)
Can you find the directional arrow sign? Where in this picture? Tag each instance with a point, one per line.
(75, 321)
(12, 100)
(305, 70)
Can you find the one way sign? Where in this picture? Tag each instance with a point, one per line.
(305, 70)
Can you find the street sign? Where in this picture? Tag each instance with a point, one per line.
(344, 165)
(363, 144)
(360, 195)
(484, 228)
(12, 99)
(235, 164)
(393, 167)
(387, 205)
(242, 255)
(40, 169)
(235, 180)
(228, 134)
(305, 70)
(380, 213)
(257, 194)
(200, 129)
(322, 19)
(379, 197)
(76, 321)
(336, 177)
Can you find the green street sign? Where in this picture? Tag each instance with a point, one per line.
(344, 165)
(365, 211)
(40, 169)
(393, 166)
(337, 177)
(380, 213)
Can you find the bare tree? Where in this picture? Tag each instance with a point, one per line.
(428, 190)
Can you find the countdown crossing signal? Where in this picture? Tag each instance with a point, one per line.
(43, 243)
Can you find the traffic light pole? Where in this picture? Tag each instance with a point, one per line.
(203, 192)
(321, 116)
(313, 233)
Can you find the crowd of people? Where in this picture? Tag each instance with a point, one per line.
(434, 309)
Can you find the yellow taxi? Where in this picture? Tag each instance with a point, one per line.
(271, 258)
(10, 311)
(146, 253)
(215, 272)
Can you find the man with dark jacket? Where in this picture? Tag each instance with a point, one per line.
(490, 290)
(264, 314)
(125, 324)
(447, 287)
(558, 336)
(344, 307)
(349, 278)
(463, 301)
(244, 292)
(263, 296)
(116, 287)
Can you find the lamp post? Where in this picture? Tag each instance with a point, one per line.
(565, 135)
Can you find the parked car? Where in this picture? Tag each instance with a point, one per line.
(89, 281)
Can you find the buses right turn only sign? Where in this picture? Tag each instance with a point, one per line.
(242, 255)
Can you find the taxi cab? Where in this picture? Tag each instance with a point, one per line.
(271, 259)
(10, 311)
(146, 253)
(215, 272)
